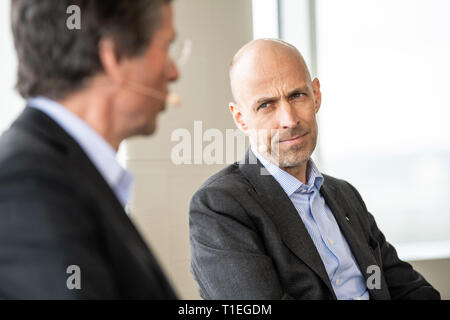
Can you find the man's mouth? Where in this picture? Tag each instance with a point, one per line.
(295, 139)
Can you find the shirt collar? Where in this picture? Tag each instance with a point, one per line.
(288, 182)
(102, 155)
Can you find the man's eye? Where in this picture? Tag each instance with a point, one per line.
(297, 95)
(263, 106)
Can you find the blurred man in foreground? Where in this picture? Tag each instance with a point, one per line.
(273, 226)
(64, 233)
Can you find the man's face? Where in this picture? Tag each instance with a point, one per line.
(278, 105)
(154, 69)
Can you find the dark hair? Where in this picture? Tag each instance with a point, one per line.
(54, 61)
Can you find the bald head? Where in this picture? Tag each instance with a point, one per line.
(275, 101)
(261, 59)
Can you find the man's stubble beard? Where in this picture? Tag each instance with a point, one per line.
(296, 155)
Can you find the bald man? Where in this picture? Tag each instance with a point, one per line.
(274, 227)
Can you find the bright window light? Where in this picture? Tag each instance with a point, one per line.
(11, 103)
(265, 19)
(383, 125)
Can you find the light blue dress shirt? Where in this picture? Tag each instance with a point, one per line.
(101, 154)
(346, 279)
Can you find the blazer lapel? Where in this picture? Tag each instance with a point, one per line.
(349, 226)
(277, 204)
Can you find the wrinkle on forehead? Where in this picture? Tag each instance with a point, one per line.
(265, 60)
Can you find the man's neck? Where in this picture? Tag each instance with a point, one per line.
(298, 172)
(96, 113)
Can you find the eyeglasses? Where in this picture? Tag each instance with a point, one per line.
(180, 51)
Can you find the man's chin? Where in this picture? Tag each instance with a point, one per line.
(152, 129)
(152, 124)
(292, 163)
(293, 158)
(147, 130)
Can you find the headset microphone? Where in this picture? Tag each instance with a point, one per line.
(172, 99)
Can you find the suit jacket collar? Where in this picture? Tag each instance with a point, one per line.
(42, 125)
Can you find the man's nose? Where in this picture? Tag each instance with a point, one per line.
(287, 115)
(173, 73)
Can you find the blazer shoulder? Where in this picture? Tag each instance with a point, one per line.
(334, 181)
(228, 179)
(339, 184)
(23, 149)
(226, 190)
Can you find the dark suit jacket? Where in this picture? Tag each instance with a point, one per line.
(56, 210)
(249, 242)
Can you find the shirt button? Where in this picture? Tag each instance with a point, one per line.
(359, 298)
(331, 241)
(337, 281)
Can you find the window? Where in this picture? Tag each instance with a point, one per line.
(265, 19)
(383, 67)
(11, 103)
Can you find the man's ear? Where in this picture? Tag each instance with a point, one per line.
(112, 67)
(238, 117)
(317, 94)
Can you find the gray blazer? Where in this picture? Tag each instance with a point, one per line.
(248, 241)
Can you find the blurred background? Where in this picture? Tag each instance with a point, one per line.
(383, 126)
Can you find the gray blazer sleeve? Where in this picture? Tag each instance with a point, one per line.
(222, 236)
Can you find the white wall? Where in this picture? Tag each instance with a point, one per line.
(10, 102)
(383, 67)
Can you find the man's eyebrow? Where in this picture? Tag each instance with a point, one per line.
(303, 88)
(263, 100)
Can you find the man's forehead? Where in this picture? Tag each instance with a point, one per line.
(269, 80)
(272, 90)
(267, 65)
(264, 52)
